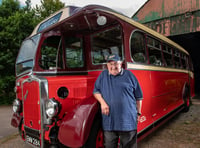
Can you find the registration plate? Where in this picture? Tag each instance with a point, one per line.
(33, 141)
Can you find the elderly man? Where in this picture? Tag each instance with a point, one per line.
(120, 97)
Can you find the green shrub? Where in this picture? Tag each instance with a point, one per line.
(7, 94)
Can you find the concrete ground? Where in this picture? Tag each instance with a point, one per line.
(5, 119)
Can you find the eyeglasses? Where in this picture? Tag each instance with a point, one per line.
(114, 63)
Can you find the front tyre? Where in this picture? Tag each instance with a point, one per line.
(95, 139)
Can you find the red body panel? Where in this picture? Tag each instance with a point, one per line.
(80, 88)
(144, 80)
(19, 87)
(31, 101)
(166, 92)
(162, 92)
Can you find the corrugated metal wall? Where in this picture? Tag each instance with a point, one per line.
(170, 17)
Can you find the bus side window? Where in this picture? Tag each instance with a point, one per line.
(105, 43)
(155, 55)
(138, 51)
(168, 58)
(49, 50)
(74, 52)
(177, 62)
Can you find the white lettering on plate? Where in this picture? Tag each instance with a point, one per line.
(33, 141)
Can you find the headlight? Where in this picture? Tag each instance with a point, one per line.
(17, 105)
(51, 108)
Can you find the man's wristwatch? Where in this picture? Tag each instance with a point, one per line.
(139, 114)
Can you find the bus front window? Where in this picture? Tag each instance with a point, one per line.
(49, 49)
(25, 59)
(74, 52)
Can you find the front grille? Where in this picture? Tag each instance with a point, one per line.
(32, 132)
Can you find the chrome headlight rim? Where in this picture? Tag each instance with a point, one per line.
(51, 108)
(17, 106)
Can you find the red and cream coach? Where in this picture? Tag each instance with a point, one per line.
(59, 62)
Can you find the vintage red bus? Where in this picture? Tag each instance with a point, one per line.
(59, 62)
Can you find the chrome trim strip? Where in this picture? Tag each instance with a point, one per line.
(57, 72)
(43, 96)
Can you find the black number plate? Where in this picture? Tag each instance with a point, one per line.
(33, 141)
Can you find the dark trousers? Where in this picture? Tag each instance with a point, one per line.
(127, 139)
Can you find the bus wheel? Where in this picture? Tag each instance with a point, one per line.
(186, 98)
(95, 139)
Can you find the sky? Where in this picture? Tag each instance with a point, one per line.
(127, 7)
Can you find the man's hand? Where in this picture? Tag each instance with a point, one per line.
(138, 118)
(104, 106)
(105, 109)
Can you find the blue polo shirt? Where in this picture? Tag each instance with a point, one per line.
(121, 93)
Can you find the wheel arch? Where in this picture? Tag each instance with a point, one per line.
(186, 97)
(186, 91)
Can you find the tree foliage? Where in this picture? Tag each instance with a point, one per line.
(9, 7)
(17, 23)
(47, 8)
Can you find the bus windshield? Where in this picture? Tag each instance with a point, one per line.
(26, 55)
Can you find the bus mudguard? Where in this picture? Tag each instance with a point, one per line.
(16, 120)
(75, 126)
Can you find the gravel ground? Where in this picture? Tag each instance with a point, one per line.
(183, 131)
